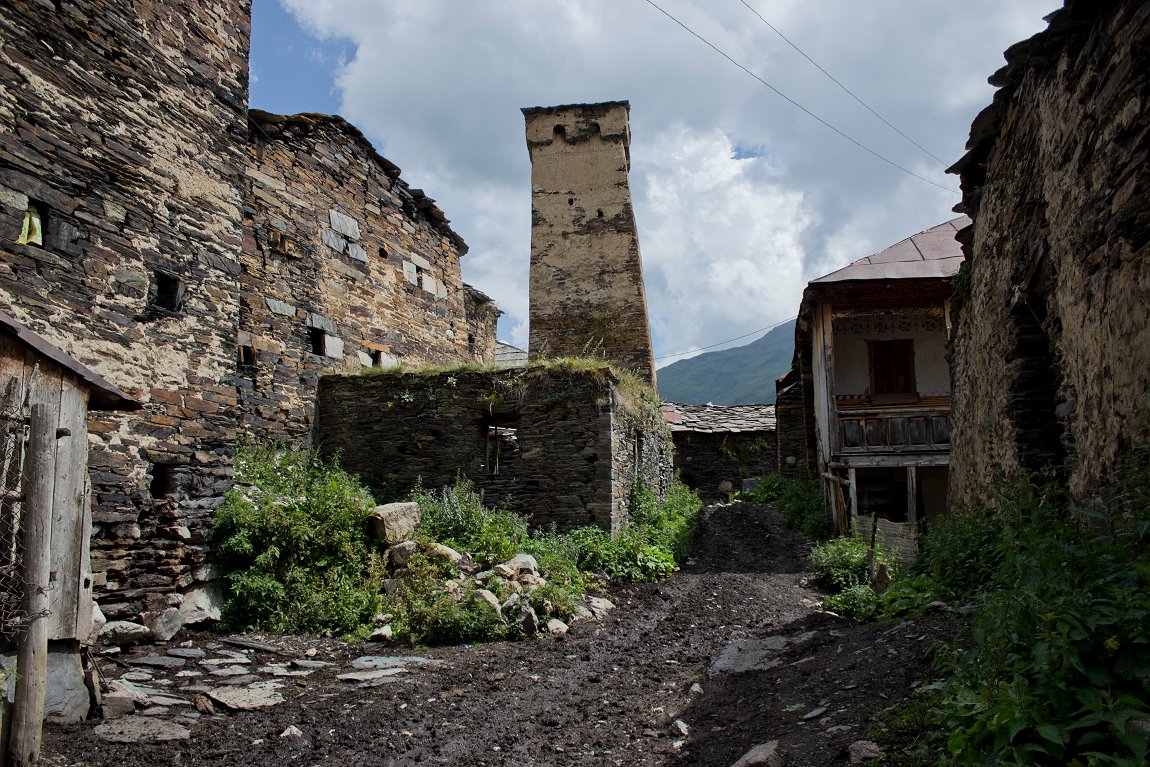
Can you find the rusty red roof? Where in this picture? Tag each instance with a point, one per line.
(933, 253)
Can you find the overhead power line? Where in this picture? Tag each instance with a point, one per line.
(797, 105)
(720, 343)
(846, 90)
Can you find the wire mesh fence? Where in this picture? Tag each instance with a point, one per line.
(13, 437)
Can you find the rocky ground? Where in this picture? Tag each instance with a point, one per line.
(726, 655)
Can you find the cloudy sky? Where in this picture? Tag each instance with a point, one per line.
(741, 197)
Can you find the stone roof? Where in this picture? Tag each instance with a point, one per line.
(932, 253)
(718, 418)
(508, 356)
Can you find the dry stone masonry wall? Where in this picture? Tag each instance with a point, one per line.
(122, 146)
(345, 267)
(1050, 363)
(556, 445)
(587, 295)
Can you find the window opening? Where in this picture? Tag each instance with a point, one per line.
(376, 358)
(317, 340)
(892, 368)
(163, 485)
(247, 355)
(35, 220)
(471, 344)
(169, 294)
(502, 446)
(279, 242)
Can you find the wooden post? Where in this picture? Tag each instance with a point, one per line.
(32, 656)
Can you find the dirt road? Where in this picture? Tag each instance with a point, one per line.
(694, 670)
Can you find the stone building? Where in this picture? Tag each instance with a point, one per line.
(123, 143)
(345, 267)
(207, 262)
(586, 296)
(1053, 342)
(556, 443)
(719, 446)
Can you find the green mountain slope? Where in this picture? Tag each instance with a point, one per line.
(738, 376)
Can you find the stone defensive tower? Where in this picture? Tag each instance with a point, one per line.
(587, 295)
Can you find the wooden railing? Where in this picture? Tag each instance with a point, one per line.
(922, 428)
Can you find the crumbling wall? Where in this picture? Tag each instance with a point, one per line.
(555, 445)
(587, 295)
(714, 464)
(123, 130)
(1050, 360)
(345, 267)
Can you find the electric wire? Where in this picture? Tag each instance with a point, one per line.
(796, 104)
(720, 343)
(846, 90)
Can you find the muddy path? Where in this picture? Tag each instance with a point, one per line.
(639, 687)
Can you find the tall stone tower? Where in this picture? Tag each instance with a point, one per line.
(587, 296)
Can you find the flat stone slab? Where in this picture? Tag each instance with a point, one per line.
(310, 664)
(370, 674)
(246, 698)
(186, 652)
(226, 661)
(276, 670)
(158, 661)
(236, 670)
(141, 729)
(749, 655)
(394, 661)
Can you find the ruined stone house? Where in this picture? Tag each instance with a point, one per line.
(717, 447)
(871, 369)
(561, 444)
(208, 262)
(586, 295)
(1053, 339)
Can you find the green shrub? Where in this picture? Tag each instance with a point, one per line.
(803, 505)
(457, 517)
(768, 489)
(841, 563)
(291, 537)
(1060, 669)
(425, 611)
(906, 595)
(857, 602)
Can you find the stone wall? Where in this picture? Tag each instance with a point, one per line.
(794, 416)
(123, 131)
(554, 444)
(587, 295)
(715, 464)
(345, 267)
(1050, 361)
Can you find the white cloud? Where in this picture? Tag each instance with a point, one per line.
(727, 243)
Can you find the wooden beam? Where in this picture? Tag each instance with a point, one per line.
(32, 656)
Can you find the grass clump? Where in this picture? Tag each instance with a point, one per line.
(800, 498)
(291, 535)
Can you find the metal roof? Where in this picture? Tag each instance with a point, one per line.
(718, 418)
(103, 395)
(933, 253)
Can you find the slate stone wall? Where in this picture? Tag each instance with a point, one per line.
(705, 460)
(795, 454)
(123, 128)
(587, 293)
(1050, 361)
(345, 267)
(557, 446)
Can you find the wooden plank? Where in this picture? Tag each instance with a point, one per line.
(84, 598)
(12, 390)
(67, 509)
(32, 655)
(911, 495)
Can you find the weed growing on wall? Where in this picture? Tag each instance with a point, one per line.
(291, 535)
(1059, 672)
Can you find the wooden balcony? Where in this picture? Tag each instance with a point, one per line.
(923, 427)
